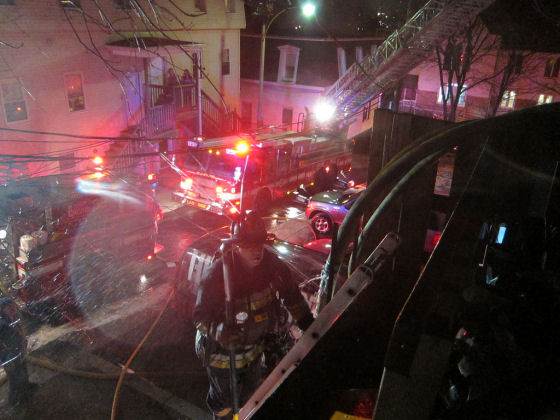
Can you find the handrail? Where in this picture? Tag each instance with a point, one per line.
(393, 42)
(162, 106)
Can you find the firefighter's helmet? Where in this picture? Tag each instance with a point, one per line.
(249, 228)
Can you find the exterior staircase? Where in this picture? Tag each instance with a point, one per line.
(170, 111)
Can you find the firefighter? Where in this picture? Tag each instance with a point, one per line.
(13, 348)
(257, 277)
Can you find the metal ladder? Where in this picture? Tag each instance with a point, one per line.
(403, 50)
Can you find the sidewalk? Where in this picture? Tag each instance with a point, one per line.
(81, 385)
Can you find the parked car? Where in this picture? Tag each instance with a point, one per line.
(328, 207)
(353, 178)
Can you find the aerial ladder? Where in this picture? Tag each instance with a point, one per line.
(403, 50)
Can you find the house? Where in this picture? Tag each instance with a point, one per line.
(95, 71)
(297, 71)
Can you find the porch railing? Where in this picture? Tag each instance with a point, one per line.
(166, 109)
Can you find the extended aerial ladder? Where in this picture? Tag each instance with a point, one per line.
(403, 50)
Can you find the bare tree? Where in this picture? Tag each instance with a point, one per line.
(511, 67)
(545, 76)
(463, 62)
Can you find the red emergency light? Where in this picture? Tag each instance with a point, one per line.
(186, 184)
(242, 147)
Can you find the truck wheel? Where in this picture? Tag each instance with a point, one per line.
(262, 201)
(321, 223)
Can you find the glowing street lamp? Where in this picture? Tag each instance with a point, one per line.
(308, 10)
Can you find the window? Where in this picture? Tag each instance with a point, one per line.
(287, 66)
(552, 68)
(225, 62)
(461, 98)
(287, 115)
(359, 54)
(290, 71)
(14, 102)
(7, 3)
(508, 99)
(408, 94)
(366, 111)
(75, 92)
(544, 99)
(200, 5)
(123, 4)
(230, 6)
(71, 4)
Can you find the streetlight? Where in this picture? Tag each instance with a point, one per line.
(308, 10)
(324, 111)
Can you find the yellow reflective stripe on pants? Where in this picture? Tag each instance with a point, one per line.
(221, 361)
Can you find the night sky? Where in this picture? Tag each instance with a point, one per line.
(523, 23)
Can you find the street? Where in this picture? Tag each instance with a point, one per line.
(77, 364)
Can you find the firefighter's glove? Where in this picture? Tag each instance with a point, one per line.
(230, 337)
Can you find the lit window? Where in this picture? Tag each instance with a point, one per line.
(508, 99)
(287, 66)
(552, 68)
(454, 85)
(225, 62)
(14, 103)
(75, 92)
(544, 99)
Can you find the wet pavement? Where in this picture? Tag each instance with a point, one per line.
(76, 365)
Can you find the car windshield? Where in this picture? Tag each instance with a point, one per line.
(222, 165)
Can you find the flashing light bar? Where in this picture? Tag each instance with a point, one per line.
(186, 184)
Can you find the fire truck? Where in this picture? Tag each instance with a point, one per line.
(245, 172)
(67, 242)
